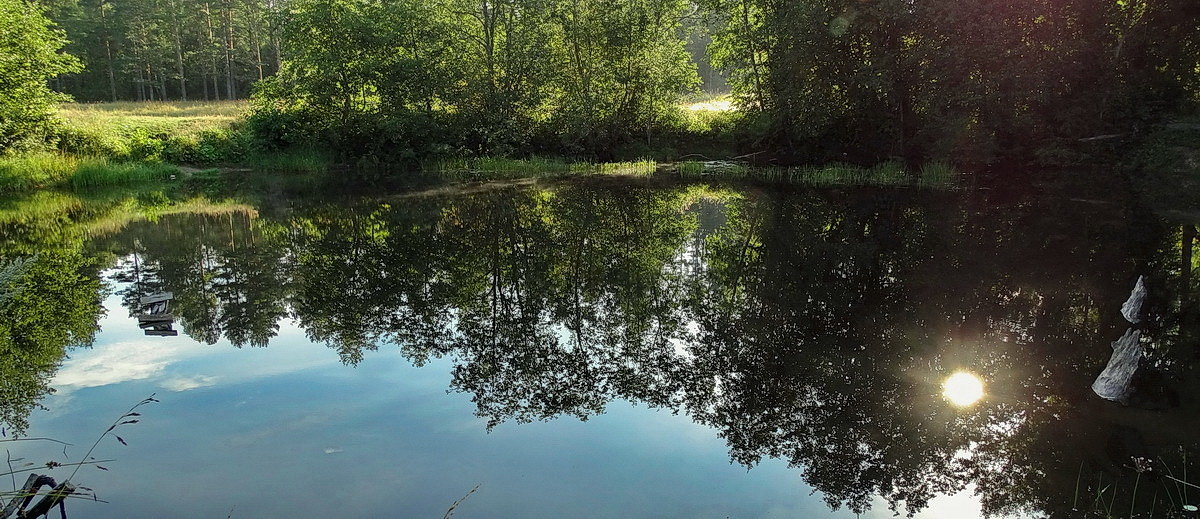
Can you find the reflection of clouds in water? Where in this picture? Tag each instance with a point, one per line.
(122, 362)
(186, 383)
(963, 505)
(176, 365)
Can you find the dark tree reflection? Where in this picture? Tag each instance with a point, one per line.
(810, 326)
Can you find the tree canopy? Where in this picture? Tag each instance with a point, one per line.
(30, 54)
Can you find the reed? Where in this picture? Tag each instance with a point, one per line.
(92, 173)
(497, 168)
(35, 170)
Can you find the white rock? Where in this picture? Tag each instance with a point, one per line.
(1115, 382)
(1132, 309)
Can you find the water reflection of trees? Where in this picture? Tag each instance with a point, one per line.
(813, 327)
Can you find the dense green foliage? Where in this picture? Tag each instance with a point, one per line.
(50, 302)
(148, 50)
(410, 78)
(29, 56)
(815, 81)
(962, 80)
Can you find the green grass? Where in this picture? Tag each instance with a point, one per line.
(34, 170)
(196, 132)
(171, 117)
(42, 170)
(938, 173)
(291, 161)
(92, 173)
(935, 175)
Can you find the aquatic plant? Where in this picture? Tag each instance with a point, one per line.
(60, 491)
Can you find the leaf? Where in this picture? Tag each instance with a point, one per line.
(128, 421)
(101, 467)
(122, 440)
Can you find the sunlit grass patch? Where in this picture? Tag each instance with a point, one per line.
(709, 102)
(192, 132)
(635, 168)
(93, 173)
(719, 169)
(175, 117)
(34, 170)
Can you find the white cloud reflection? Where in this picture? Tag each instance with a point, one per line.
(119, 362)
(180, 363)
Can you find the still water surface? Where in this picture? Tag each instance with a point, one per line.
(607, 349)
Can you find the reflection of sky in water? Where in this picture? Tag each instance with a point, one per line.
(288, 431)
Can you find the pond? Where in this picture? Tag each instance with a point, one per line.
(601, 348)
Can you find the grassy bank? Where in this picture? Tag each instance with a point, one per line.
(107, 144)
(49, 169)
(196, 132)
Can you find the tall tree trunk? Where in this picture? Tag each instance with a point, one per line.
(108, 57)
(273, 33)
(212, 44)
(257, 44)
(230, 87)
(112, 75)
(753, 49)
(179, 52)
(1185, 267)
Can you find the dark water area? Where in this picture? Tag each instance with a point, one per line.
(615, 348)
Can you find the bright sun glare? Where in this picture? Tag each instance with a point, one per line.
(962, 389)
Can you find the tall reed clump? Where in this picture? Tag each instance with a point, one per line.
(727, 170)
(31, 171)
(634, 168)
(101, 172)
(938, 174)
(290, 161)
(495, 168)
